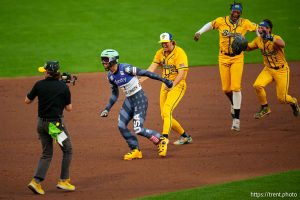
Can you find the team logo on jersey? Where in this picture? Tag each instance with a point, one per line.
(227, 33)
(121, 80)
(111, 77)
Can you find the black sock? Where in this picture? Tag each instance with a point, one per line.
(166, 135)
(185, 134)
(229, 95)
(38, 180)
(263, 106)
(237, 113)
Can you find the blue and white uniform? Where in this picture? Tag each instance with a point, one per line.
(135, 104)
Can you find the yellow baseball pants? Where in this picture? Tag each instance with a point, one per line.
(281, 79)
(231, 70)
(168, 101)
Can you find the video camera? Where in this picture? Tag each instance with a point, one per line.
(68, 78)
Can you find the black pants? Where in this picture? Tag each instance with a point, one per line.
(47, 152)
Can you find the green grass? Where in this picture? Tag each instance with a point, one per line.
(75, 32)
(287, 183)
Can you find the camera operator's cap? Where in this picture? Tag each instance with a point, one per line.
(165, 37)
(50, 66)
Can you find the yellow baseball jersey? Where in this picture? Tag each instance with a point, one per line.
(176, 60)
(273, 55)
(227, 31)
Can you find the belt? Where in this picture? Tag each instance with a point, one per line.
(49, 119)
(276, 68)
(228, 54)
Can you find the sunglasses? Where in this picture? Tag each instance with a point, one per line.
(105, 59)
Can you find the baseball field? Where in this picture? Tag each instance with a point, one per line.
(261, 161)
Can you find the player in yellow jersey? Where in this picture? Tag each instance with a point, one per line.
(174, 64)
(230, 65)
(276, 69)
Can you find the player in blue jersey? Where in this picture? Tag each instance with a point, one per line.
(124, 76)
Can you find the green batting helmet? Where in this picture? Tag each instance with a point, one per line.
(110, 56)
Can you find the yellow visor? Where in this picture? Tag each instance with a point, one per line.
(41, 69)
(162, 41)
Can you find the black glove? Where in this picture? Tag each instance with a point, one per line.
(168, 83)
(239, 44)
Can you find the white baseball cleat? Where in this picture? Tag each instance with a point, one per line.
(235, 125)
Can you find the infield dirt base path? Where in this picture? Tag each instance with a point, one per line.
(262, 147)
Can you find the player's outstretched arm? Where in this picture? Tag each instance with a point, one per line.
(252, 45)
(202, 30)
(141, 72)
(151, 68)
(112, 100)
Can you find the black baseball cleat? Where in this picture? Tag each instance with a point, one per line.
(295, 108)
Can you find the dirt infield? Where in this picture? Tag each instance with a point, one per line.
(263, 146)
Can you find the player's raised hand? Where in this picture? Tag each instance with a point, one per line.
(197, 36)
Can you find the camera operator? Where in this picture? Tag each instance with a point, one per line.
(53, 97)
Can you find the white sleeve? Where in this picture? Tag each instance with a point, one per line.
(205, 28)
(257, 33)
